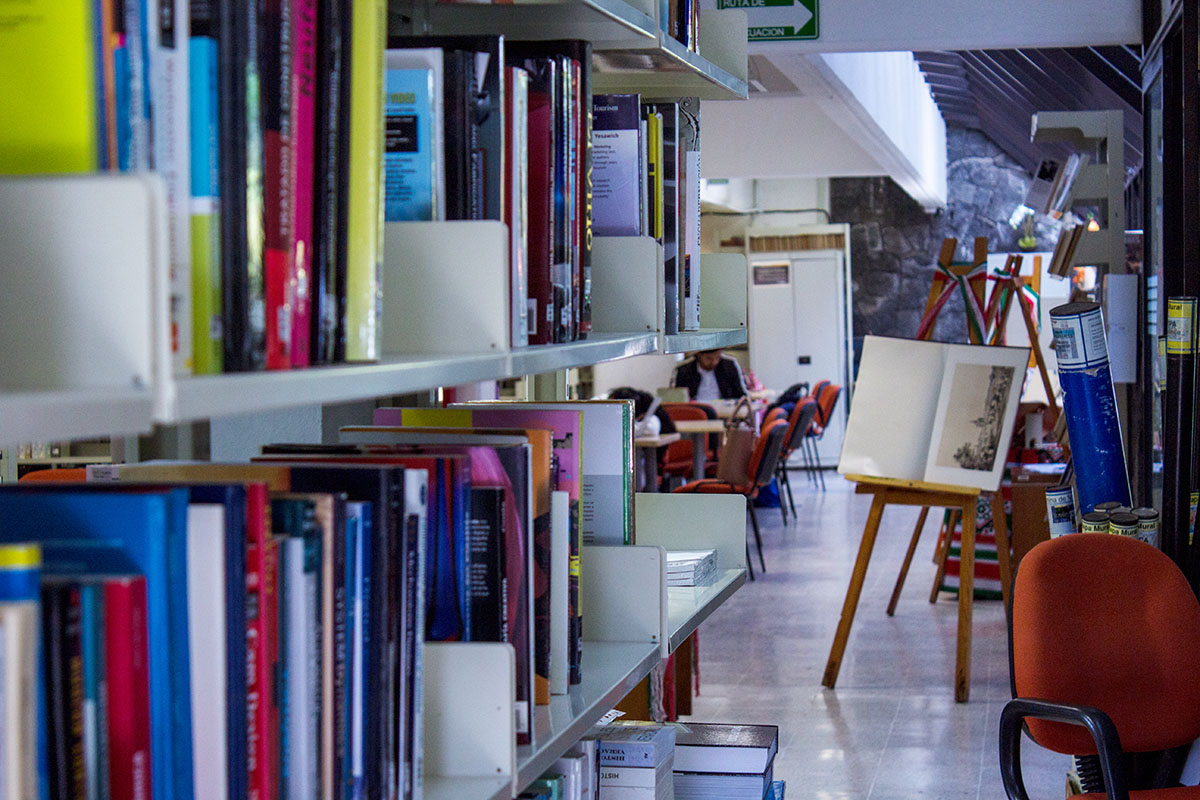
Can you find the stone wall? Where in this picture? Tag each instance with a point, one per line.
(894, 243)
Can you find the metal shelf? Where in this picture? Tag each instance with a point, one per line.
(688, 606)
(207, 396)
(610, 671)
(607, 23)
(668, 70)
(596, 348)
(73, 414)
(703, 339)
(438, 788)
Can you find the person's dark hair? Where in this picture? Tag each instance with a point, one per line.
(641, 400)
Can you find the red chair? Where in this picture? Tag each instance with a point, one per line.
(1102, 647)
(799, 422)
(827, 395)
(678, 459)
(759, 472)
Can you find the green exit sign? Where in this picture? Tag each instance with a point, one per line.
(779, 20)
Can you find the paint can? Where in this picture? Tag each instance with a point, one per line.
(1060, 511)
(1147, 525)
(1090, 404)
(1095, 522)
(1123, 523)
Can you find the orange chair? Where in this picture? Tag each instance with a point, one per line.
(799, 422)
(1103, 642)
(678, 459)
(827, 395)
(759, 472)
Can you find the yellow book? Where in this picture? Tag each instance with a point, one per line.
(48, 82)
(654, 160)
(364, 249)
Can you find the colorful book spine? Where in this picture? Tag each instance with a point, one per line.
(259, 664)
(303, 87)
(411, 149)
(616, 171)
(516, 203)
(275, 93)
(364, 246)
(128, 670)
(22, 768)
(204, 131)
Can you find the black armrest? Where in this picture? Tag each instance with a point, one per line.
(1102, 729)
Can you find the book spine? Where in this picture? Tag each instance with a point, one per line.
(137, 113)
(275, 92)
(204, 132)
(627, 754)
(91, 606)
(584, 102)
(73, 651)
(127, 664)
(364, 250)
(167, 45)
(415, 559)
(303, 85)
(54, 605)
(342, 639)
(259, 665)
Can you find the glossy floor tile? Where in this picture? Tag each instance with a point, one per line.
(891, 729)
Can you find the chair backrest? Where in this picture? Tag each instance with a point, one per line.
(774, 414)
(766, 453)
(1109, 622)
(688, 411)
(827, 400)
(818, 387)
(801, 420)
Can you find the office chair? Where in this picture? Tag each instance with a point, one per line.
(827, 395)
(799, 422)
(759, 472)
(1103, 638)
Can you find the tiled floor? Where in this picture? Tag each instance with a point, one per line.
(891, 730)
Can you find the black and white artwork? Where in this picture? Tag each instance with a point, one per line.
(972, 430)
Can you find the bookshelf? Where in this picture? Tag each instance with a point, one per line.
(102, 264)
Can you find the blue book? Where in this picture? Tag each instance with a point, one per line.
(354, 655)
(99, 531)
(358, 542)
(461, 472)
(412, 143)
(443, 617)
(91, 601)
(776, 792)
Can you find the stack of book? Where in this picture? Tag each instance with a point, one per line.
(284, 603)
(636, 760)
(265, 122)
(725, 762)
(484, 128)
(575, 776)
(646, 178)
(691, 567)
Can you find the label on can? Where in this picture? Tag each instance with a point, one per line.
(1079, 342)
(1123, 524)
(1095, 522)
(1147, 525)
(1060, 511)
(1181, 326)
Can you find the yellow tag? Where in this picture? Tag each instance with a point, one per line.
(20, 556)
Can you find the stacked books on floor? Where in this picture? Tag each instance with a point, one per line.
(691, 567)
(725, 762)
(646, 182)
(636, 760)
(263, 623)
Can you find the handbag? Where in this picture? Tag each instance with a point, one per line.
(733, 464)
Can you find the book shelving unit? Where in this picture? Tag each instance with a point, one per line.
(102, 267)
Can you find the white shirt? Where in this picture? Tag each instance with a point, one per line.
(708, 389)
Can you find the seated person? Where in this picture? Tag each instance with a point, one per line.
(710, 375)
(651, 419)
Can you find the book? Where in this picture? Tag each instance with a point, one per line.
(127, 650)
(956, 418)
(23, 770)
(48, 80)
(275, 52)
(634, 744)
(723, 786)
(688, 179)
(516, 200)
(167, 42)
(95, 689)
(334, 47)
(691, 568)
(414, 168)
(708, 747)
(667, 185)
(573, 769)
(617, 165)
(561, 611)
(204, 126)
(207, 639)
(364, 227)
(300, 176)
(777, 790)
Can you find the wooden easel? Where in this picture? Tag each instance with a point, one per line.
(919, 493)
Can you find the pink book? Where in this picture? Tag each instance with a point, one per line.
(300, 172)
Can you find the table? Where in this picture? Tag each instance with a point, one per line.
(648, 445)
(698, 430)
(887, 491)
(724, 408)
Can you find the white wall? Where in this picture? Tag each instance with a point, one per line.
(762, 195)
(865, 25)
(643, 372)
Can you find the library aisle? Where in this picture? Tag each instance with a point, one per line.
(891, 730)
